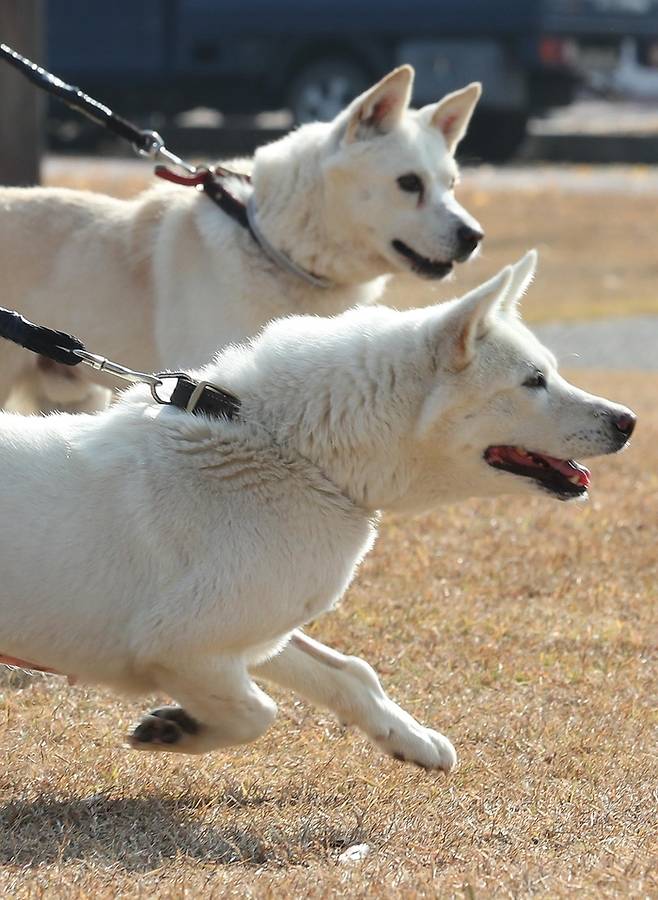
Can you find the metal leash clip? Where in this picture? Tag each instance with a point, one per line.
(101, 364)
(157, 149)
(153, 144)
(157, 383)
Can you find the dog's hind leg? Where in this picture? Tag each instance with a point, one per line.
(220, 707)
(350, 688)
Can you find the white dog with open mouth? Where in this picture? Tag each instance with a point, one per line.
(149, 549)
(167, 278)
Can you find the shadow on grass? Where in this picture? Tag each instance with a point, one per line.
(140, 834)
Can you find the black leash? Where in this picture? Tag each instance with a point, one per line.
(142, 141)
(55, 345)
(146, 143)
(168, 388)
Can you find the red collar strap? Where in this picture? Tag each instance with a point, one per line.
(210, 179)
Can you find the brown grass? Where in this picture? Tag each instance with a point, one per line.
(597, 251)
(525, 630)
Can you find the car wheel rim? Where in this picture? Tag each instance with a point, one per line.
(323, 100)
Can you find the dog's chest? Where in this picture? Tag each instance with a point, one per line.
(313, 579)
(279, 547)
(301, 564)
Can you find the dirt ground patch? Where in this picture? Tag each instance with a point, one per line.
(524, 629)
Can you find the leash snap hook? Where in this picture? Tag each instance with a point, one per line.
(154, 148)
(152, 144)
(101, 364)
(159, 384)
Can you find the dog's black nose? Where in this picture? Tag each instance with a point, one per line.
(468, 239)
(626, 423)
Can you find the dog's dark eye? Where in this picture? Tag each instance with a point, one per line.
(411, 183)
(536, 380)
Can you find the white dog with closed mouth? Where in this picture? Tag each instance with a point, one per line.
(168, 277)
(187, 551)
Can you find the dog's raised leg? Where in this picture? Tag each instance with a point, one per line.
(350, 688)
(220, 707)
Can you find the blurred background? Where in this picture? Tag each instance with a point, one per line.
(571, 80)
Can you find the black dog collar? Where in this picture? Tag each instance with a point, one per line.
(201, 397)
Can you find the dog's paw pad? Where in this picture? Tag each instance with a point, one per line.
(155, 730)
(167, 728)
(179, 717)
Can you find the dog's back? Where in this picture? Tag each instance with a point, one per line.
(79, 262)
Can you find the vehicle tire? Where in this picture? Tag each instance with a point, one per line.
(324, 87)
(494, 136)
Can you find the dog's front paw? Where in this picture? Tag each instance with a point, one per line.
(407, 740)
(169, 728)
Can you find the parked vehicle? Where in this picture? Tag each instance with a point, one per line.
(246, 56)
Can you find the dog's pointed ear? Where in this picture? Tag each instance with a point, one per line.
(472, 316)
(522, 274)
(379, 109)
(452, 114)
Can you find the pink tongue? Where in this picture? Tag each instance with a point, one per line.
(569, 468)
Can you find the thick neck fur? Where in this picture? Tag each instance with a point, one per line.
(344, 393)
(295, 215)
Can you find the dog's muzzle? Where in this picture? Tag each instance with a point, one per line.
(422, 265)
(468, 240)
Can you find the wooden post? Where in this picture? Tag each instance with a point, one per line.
(21, 103)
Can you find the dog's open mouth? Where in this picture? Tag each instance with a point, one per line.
(421, 265)
(563, 477)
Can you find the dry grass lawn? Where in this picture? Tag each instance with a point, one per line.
(597, 251)
(525, 630)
